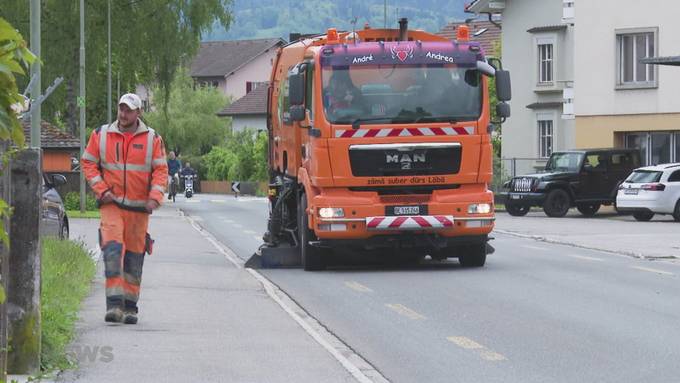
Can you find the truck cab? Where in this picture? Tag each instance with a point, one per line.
(380, 140)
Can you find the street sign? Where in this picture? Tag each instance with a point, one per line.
(236, 187)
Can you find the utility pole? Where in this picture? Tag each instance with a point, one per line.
(385, 17)
(108, 96)
(36, 117)
(81, 104)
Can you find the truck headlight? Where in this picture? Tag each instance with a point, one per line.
(479, 208)
(331, 212)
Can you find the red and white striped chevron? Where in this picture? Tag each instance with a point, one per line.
(417, 222)
(404, 132)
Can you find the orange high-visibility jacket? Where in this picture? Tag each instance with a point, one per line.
(134, 169)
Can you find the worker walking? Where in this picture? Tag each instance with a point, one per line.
(125, 165)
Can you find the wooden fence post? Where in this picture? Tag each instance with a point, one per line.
(24, 264)
(5, 194)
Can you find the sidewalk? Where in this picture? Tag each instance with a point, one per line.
(202, 319)
(605, 231)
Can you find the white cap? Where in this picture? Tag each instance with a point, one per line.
(131, 100)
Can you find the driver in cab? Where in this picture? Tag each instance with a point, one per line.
(342, 94)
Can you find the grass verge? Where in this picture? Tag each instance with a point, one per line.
(78, 214)
(67, 270)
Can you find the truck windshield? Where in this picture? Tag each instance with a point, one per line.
(399, 93)
(564, 162)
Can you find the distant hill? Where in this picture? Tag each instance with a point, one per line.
(278, 18)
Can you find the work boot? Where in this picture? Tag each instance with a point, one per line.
(114, 315)
(130, 316)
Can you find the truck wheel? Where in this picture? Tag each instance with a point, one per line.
(588, 209)
(517, 210)
(556, 203)
(676, 212)
(643, 216)
(473, 255)
(310, 255)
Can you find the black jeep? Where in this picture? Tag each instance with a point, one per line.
(586, 179)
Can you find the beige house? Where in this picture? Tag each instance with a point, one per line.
(578, 78)
(235, 67)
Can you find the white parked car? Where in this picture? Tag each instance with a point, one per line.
(651, 190)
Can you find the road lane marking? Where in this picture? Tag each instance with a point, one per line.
(583, 257)
(405, 311)
(483, 352)
(227, 220)
(534, 247)
(358, 287)
(218, 200)
(258, 239)
(251, 232)
(193, 200)
(652, 270)
(237, 225)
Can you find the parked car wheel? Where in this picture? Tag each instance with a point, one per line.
(517, 210)
(643, 216)
(64, 232)
(311, 257)
(676, 212)
(473, 255)
(557, 203)
(589, 209)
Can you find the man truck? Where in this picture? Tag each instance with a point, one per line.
(397, 160)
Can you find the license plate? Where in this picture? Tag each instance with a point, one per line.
(515, 196)
(630, 191)
(406, 210)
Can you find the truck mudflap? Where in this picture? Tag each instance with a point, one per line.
(417, 222)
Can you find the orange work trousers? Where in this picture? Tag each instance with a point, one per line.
(123, 241)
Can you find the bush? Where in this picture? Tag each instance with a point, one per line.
(67, 271)
(72, 202)
(242, 158)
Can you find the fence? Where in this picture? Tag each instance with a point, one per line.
(506, 168)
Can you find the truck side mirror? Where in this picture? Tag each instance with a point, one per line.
(296, 89)
(297, 112)
(503, 87)
(503, 110)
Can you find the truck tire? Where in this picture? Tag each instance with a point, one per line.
(588, 209)
(643, 216)
(310, 256)
(517, 210)
(473, 255)
(557, 203)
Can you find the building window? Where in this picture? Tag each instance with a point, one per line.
(631, 47)
(545, 137)
(655, 147)
(545, 63)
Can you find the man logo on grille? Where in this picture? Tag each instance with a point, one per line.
(406, 160)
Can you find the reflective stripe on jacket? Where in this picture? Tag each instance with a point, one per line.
(133, 169)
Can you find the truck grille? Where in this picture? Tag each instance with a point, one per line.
(522, 184)
(380, 160)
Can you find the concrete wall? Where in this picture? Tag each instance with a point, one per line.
(257, 70)
(597, 23)
(240, 123)
(520, 56)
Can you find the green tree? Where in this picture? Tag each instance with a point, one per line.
(150, 40)
(242, 158)
(189, 125)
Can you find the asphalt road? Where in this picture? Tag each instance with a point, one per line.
(537, 312)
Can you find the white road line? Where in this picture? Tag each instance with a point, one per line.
(405, 311)
(534, 247)
(227, 220)
(251, 232)
(358, 287)
(218, 200)
(256, 238)
(650, 270)
(483, 352)
(237, 225)
(583, 257)
(350, 360)
(192, 200)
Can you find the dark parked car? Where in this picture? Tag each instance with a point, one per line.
(54, 219)
(585, 179)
